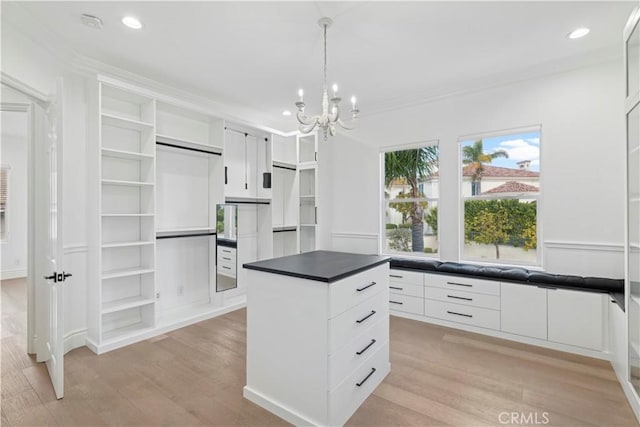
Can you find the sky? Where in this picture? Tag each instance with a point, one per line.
(519, 146)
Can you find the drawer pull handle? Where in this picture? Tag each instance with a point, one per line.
(396, 276)
(366, 317)
(226, 251)
(462, 298)
(396, 288)
(366, 348)
(228, 259)
(459, 314)
(228, 268)
(460, 284)
(366, 287)
(366, 378)
(396, 302)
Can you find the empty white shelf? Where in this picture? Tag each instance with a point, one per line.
(129, 155)
(127, 183)
(127, 244)
(125, 303)
(308, 197)
(307, 225)
(125, 123)
(125, 272)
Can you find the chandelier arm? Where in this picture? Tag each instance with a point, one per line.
(303, 119)
(308, 128)
(351, 126)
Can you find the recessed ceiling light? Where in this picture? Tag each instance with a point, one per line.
(577, 33)
(91, 21)
(286, 113)
(132, 22)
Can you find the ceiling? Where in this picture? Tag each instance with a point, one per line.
(258, 54)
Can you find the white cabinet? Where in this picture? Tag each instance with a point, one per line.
(315, 350)
(576, 318)
(524, 310)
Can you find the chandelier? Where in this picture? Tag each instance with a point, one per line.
(329, 118)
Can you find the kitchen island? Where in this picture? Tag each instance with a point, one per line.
(317, 334)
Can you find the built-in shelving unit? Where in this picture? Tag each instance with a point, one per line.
(125, 295)
(308, 207)
(190, 182)
(285, 196)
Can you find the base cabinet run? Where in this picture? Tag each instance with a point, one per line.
(316, 351)
(574, 319)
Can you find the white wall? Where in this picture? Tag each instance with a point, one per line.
(582, 165)
(38, 67)
(13, 154)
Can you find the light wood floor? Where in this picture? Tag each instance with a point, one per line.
(195, 375)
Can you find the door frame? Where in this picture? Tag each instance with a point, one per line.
(32, 97)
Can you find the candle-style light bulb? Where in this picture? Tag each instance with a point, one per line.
(353, 102)
(335, 90)
(300, 95)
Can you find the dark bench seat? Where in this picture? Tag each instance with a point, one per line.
(614, 287)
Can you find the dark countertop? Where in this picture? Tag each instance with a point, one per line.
(321, 266)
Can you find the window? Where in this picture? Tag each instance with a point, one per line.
(4, 186)
(411, 201)
(500, 191)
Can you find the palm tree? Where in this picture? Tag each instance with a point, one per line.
(412, 167)
(475, 156)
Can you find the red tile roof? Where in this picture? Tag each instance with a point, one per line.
(500, 172)
(513, 187)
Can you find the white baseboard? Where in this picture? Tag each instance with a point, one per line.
(75, 339)
(276, 408)
(12, 274)
(511, 337)
(160, 329)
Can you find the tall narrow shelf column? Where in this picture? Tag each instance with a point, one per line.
(308, 191)
(125, 254)
(285, 196)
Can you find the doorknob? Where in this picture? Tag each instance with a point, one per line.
(58, 277)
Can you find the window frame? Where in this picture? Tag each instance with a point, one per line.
(382, 223)
(539, 264)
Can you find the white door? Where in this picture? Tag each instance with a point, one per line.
(50, 275)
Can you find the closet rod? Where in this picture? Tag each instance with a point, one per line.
(244, 133)
(284, 167)
(175, 236)
(199, 150)
(243, 202)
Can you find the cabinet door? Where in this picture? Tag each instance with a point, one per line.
(277, 201)
(523, 310)
(576, 318)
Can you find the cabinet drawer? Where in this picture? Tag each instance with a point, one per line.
(406, 304)
(351, 291)
(352, 323)
(476, 316)
(349, 395)
(403, 276)
(229, 266)
(465, 284)
(357, 351)
(464, 298)
(406, 289)
(226, 252)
